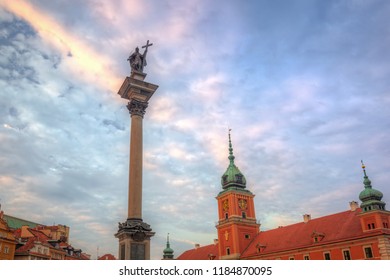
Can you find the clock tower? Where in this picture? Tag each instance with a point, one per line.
(237, 225)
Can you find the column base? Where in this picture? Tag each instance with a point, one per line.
(134, 239)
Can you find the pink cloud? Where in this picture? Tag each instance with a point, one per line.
(81, 60)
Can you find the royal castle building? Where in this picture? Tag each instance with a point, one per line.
(362, 232)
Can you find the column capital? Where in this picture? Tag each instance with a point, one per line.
(137, 107)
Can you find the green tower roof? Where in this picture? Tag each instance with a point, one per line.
(232, 178)
(371, 198)
(168, 251)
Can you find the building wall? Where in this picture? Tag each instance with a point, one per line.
(7, 241)
(7, 249)
(356, 249)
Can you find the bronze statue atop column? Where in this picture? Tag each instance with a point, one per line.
(138, 60)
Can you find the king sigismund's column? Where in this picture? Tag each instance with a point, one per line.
(134, 234)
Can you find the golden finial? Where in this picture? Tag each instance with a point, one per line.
(364, 169)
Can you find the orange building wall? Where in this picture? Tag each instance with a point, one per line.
(7, 254)
(231, 234)
(355, 247)
(7, 241)
(234, 209)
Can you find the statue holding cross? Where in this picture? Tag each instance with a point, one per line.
(138, 60)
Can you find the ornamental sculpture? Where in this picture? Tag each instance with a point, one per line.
(138, 60)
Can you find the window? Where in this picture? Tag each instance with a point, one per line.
(291, 258)
(260, 248)
(317, 236)
(368, 252)
(306, 257)
(346, 255)
(227, 251)
(247, 236)
(327, 256)
(224, 178)
(6, 249)
(226, 216)
(243, 215)
(385, 225)
(239, 178)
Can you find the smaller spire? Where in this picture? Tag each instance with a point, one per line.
(364, 168)
(168, 251)
(366, 181)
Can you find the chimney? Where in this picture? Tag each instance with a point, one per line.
(215, 241)
(306, 218)
(354, 205)
(197, 246)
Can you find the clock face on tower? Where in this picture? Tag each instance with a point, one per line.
(242, 203)
(225, 205)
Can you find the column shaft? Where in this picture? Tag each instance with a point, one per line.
(135, 168)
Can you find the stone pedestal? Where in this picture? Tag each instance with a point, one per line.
(134, 240)
(134, 234)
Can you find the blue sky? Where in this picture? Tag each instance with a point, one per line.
(302, 84)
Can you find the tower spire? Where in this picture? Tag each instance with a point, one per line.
(236, 211)
(231, 156)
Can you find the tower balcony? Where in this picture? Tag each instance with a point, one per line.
(237, 220)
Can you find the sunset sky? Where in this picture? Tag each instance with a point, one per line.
(304, 86)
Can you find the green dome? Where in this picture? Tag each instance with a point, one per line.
(370, 194)
(232, 176)
(168, 250)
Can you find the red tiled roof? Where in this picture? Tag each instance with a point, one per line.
(107, 257)
(332, 228)
(17, 233)
(64, 244)
(27, 246)
(39, 234)
(201, 253)
(84, 256)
